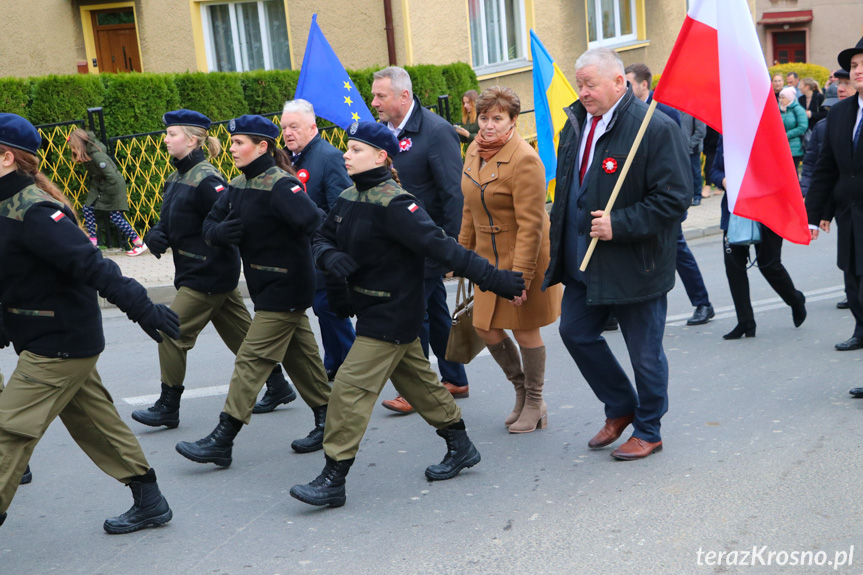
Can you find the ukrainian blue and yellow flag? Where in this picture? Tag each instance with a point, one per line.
(551, 94)
(325, 83)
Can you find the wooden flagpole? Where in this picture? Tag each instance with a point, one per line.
(620, 179)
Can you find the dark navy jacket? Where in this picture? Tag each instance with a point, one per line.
(278, 222)
(328, 178)
(50, 273)
(389, 234)
(189, 195)
(429, 168)
(327, 175)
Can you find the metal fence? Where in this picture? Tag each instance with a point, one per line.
(144, 162)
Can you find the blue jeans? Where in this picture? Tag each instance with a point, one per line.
(689, 273)
(337, 334)
(435, 331)
(642, 325)
(697, 182)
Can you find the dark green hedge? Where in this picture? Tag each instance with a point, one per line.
(15, 96)
(61, 98)
(134, 103)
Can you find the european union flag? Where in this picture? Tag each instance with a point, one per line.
(324, 83)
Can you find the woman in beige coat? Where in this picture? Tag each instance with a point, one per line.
(505, 221)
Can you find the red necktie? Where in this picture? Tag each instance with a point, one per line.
(586, 156)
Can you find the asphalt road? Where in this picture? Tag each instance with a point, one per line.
(761, 451)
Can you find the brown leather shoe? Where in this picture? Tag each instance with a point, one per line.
(609, 433)
(399, 405)
(456, 391)
(636, 448)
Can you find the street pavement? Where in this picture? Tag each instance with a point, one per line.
(761, 452)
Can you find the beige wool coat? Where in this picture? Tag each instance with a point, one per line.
(504, 220)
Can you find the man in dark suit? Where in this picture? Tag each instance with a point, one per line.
(632, 269)
(321, 168)
(429, 166)
(837, 176)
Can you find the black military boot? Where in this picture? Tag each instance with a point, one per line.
(460, 454)
(328, 488)
(150, 508)
(166, 410)
(216, 447)
(279, 391)
(2, 518)
(315, 439)
(27, 477)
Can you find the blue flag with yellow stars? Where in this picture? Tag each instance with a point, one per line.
(324, 83)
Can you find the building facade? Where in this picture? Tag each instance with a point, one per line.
(812, 31)
(91, 36)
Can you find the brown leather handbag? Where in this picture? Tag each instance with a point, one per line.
(463, 344)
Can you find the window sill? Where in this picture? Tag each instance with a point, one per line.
(622, 46)
(503, 69)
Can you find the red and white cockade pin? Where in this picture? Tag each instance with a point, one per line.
(609, 165)
(413, 207)
(303, 176)
(405, 145)
(57, 216)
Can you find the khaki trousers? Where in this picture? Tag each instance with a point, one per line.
(370, 363)
(275, 337)
(40, 389)
(196, 309)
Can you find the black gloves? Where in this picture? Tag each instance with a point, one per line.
(227, 233)
(160, 318)
(157, 241)
(504, 283)
(339, 263)
(339, 297)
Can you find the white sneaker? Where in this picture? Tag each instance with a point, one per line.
(137, 250)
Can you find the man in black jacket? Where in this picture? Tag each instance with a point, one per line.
(837, 176)
(633, 266)
(321, 168)
(429, 165)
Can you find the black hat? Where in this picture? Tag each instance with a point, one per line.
(186, 118)
(17, 132)
(250, 125)
(841, 74)
(376, 135)
(846, 55)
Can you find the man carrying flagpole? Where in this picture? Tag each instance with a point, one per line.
(634, 265)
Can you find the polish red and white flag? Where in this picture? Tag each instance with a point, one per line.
(717, 74)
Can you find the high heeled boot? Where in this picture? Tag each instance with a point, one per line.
(535, 413)
(505, 353)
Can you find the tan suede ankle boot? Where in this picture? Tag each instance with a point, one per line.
(506, 355)
(534, 414)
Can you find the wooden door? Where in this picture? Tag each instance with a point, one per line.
(116, 40)
(789, 47)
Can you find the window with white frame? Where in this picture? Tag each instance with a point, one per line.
(611, 22)
(497, 31)
(242, 36)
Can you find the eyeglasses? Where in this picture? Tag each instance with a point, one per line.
(844, 83)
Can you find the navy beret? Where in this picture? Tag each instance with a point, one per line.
(376, 135)
(17, 132)
(250, 125)
(841, 74)
(186, 118)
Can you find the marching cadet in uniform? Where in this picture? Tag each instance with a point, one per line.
(49, 277)
(373, 245)
(266, 213)
(206, 277)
